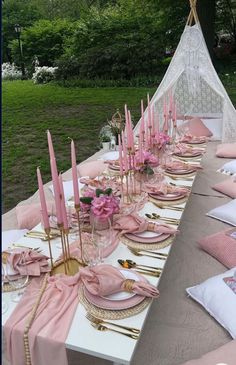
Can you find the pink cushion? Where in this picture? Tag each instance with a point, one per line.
(197, 128)
(227, 150)
(91, 168)
(227, 187)
(225, 354)
(222, 246)
(28, 216)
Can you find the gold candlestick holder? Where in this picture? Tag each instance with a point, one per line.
(77, 208)
(68, 265)
(47, 231)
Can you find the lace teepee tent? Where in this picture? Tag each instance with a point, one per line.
(195, 85)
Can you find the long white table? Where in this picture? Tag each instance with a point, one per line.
(82, 337)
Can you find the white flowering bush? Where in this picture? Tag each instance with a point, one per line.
(10, 72)
(44, 74)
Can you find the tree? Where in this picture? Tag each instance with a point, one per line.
(206, 10)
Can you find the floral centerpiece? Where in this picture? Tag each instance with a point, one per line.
(149, 162)
(161, 139)
(101, 204)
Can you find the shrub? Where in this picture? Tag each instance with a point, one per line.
(10, 72)
(43, 75)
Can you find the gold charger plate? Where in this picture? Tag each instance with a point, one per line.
(111, 314)
(168, 202)
(147, 246)
(180, 176)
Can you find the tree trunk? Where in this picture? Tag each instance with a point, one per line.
(206, 10)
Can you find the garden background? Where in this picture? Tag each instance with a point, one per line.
(98, 55)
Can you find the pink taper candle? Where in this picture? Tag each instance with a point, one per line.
(120, 156)
(50, 146)
(131, 133)
(63, 205)
(43, 200)
(142, 130)
(124, 152)
(140, 147)
(56, 188)
(74, 174)
(171, 101)
(157, 128)
(149, 111)
(153, 120)
(174, 118)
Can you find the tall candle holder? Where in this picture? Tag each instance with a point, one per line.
(47, 231)
(68, 264)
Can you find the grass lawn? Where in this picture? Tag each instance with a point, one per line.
(28, 110)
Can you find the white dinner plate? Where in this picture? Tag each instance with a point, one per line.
(148, 234)
(123, 294)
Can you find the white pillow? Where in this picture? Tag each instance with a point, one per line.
(229, 168)
(218, 299)
(225, 213)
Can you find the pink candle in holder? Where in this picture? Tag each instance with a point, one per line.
(120, 156)
(44, 210)
(74, 174)
(56, 188)
(63, 204)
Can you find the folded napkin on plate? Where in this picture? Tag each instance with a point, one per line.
(133, 223)
(182, 149)
(28, 216)
(191, 138)
(105, 279)
(179, 165)
(163, 188)
(28, 262)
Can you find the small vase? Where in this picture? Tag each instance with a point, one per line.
(100, 223)
(106, 145)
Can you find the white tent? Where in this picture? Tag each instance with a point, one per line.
(195, 84)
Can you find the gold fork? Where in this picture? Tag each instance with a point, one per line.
(147, 253)
(101, 327)
(96, 320)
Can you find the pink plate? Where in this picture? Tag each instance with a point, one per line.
(180, 172)
(194, 154)
(168, 197)
(101, 302)
(158, 238)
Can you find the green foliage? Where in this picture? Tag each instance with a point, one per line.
(44, 39)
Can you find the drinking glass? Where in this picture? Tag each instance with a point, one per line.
(101, 237)
(4, 303)
(16, 280)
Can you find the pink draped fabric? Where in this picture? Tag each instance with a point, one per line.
(56, 309)
(51, 325)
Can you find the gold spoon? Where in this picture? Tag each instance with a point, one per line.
(128, 264)
(147, 253)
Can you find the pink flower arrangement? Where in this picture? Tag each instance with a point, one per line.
(105, 206)
(149, 161)
(102, 203)
(162, 139)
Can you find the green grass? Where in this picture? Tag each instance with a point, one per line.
(29, 110)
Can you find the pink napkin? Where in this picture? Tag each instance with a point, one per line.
(51, 325)
(104, 279)
(191, 138)
(163, 188)
(28, 216)
(182, 149)
(179, 165)
(28, 262)
(133, 223)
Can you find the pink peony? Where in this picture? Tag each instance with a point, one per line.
(105, 206)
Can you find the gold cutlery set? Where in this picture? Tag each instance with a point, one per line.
(148, 253)
(141, 269)
(102, 325)
(167, 220)
(41, 235)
